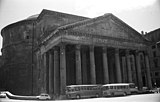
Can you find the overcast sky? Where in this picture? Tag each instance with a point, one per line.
(139, 14)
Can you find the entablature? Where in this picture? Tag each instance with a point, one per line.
(91, 39)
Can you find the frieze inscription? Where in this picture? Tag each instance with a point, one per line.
(106, 41)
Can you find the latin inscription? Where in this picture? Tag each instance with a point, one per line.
(111, 42)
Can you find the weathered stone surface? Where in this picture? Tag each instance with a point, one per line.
(17, 57)
(48, 21)
(27, 43)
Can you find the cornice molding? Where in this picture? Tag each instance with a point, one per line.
(77, 24)
(109, 16)
(30, 21)
(101, 36)
(49, 12)
(126, 27)
(94, 38)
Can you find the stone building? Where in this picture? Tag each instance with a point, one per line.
(53, 49)
(17, 56)
(154, 36)
(1, 74)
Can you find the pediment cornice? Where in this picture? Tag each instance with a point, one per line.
(110, 17)
(55, 13)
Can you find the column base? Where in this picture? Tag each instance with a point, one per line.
(58, 97)
(61, 97)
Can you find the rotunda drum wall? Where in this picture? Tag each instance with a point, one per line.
(18, 33)
(17, 43)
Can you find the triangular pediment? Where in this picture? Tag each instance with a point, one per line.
(106, 30)
(109, 26)
(48, 21)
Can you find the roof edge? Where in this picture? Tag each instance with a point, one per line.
(18, 22)
(45, 11)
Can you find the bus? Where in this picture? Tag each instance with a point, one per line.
(83, 91)
(115, 89)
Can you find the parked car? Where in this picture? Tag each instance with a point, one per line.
(154, 90)
(145, 90)
(44, 96)
(2, 94)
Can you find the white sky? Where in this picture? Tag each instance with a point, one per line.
(139, 14)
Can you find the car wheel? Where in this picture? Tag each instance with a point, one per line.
(78, 96)
(124, 94)
(97, 95)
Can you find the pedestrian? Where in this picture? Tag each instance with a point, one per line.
(158, 90)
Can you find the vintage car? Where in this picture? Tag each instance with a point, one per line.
(44, 96)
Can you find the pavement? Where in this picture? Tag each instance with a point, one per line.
(155, 97)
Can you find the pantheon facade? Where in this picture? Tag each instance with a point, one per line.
(65, 49)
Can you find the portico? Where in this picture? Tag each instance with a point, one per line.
(97, 51)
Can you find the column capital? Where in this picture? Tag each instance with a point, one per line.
(50, 51)
(91, 48)
(137, 52)
(56, 48)
(62, 49)
(78, 47)
(116, 50)
(61, 45)
(104, 48)
(127, 51)
(146, 53)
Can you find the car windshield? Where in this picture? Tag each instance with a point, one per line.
(131, 86)
(43, 95)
